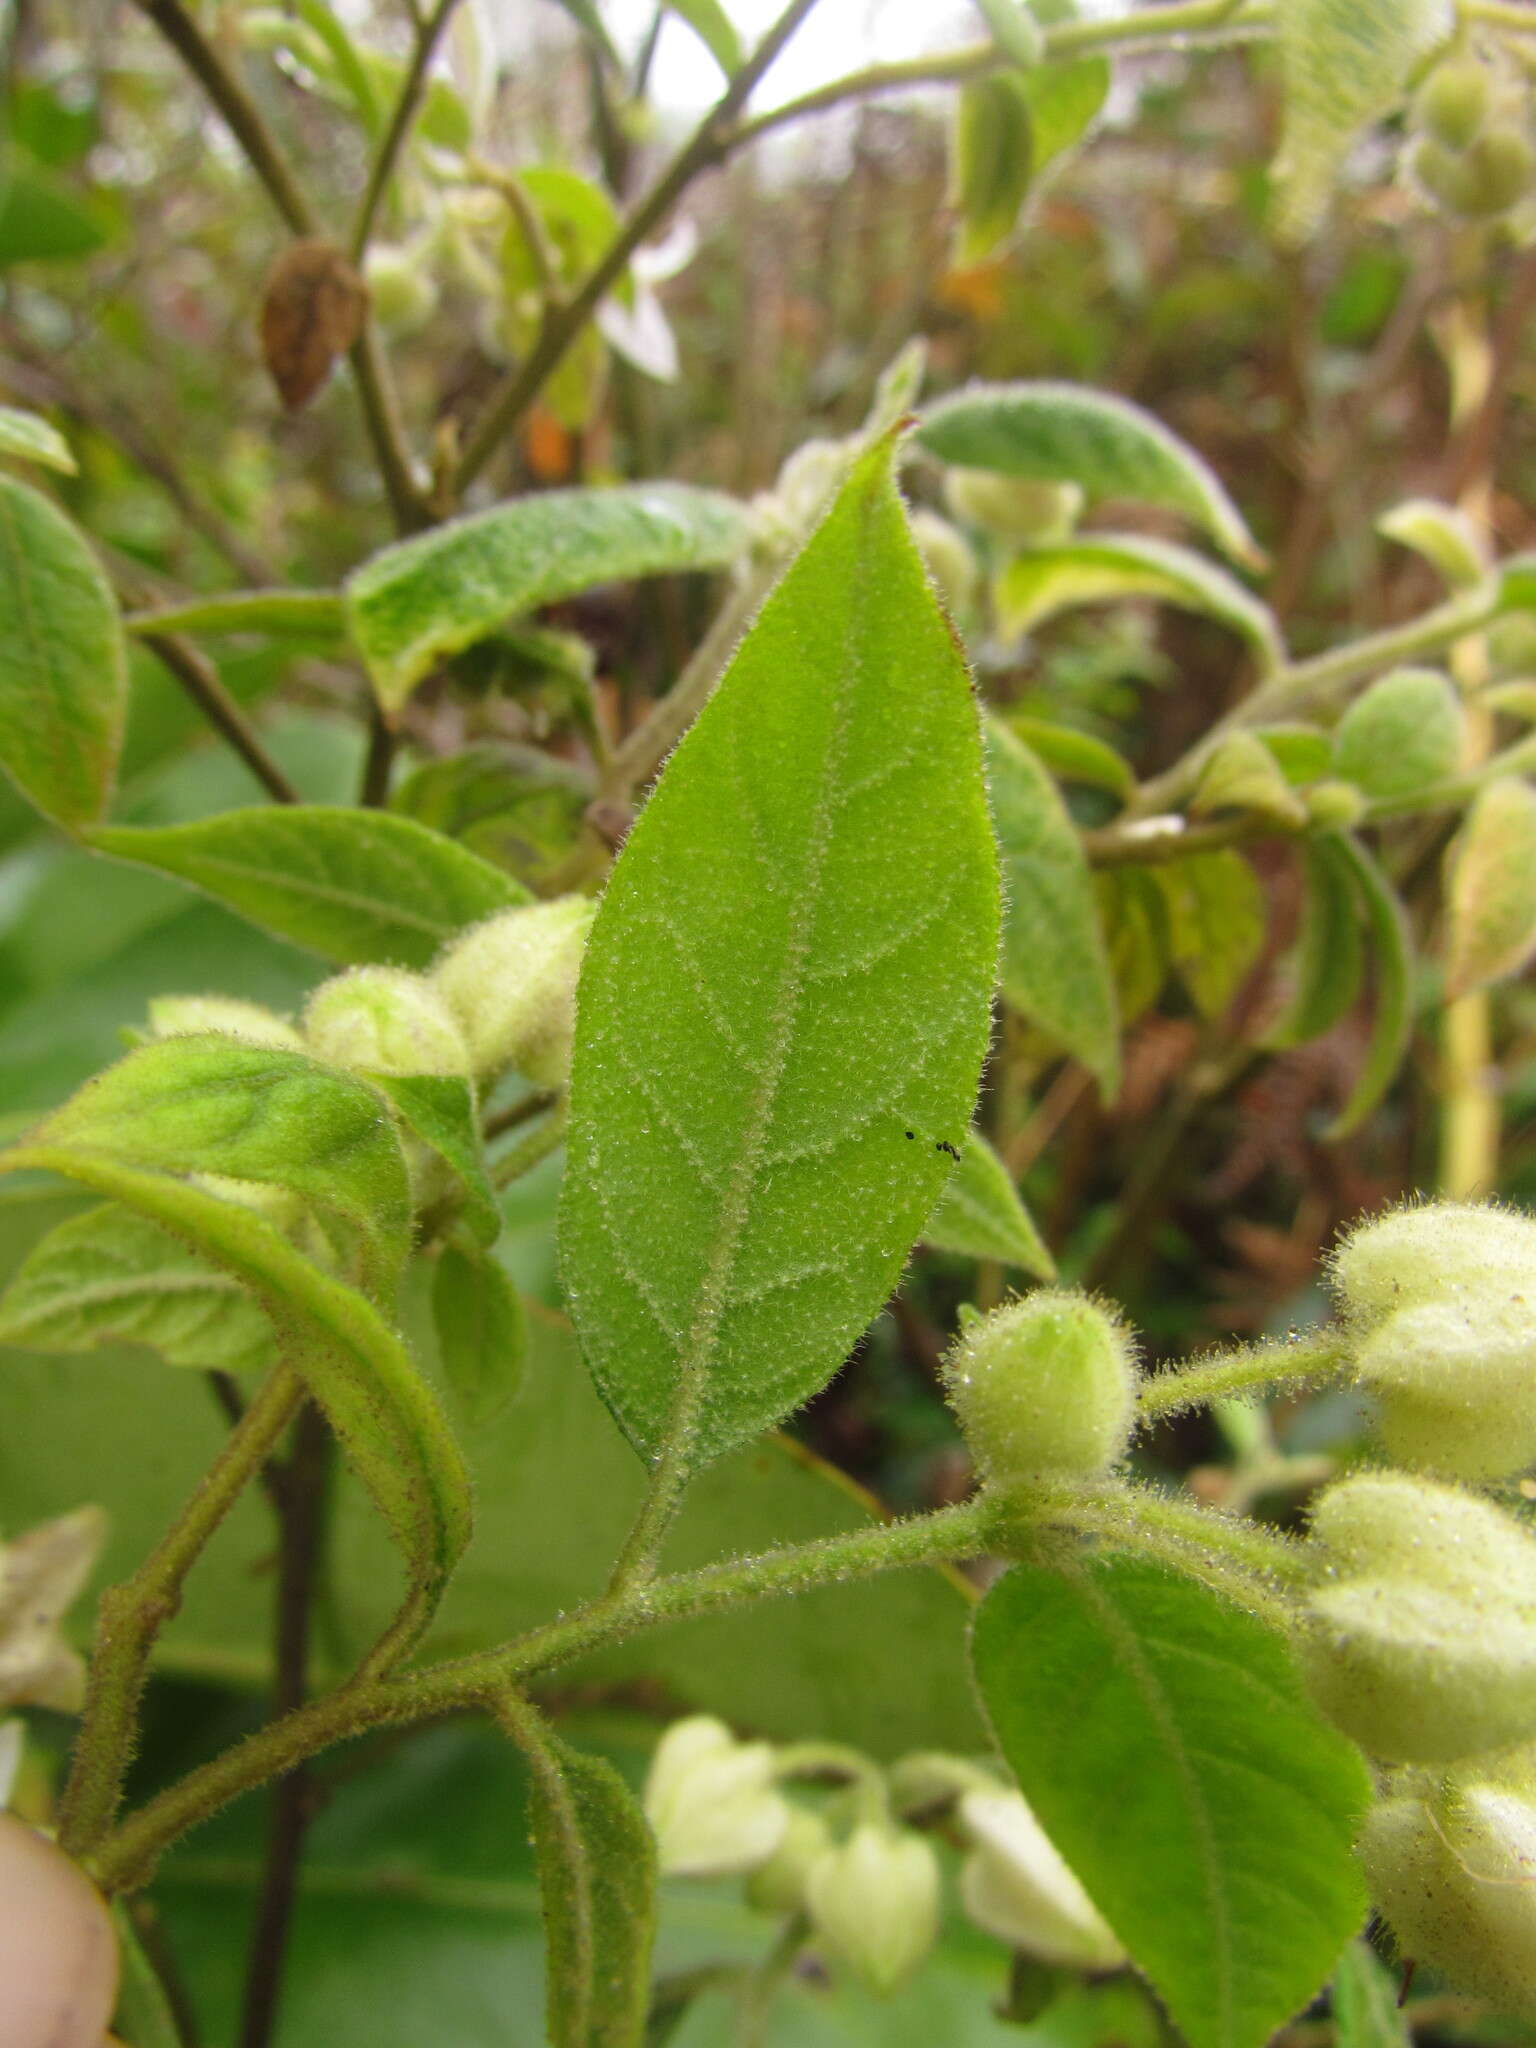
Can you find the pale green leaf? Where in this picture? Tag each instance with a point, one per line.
(1303, 752)
(784, 1001)
(31, 438)
(211, 1104)
(1343, 64)
(280, 614)
(1393, 966)
(41, 220)
(1444, 535)
(481, 1331)
(1366, 2012)
(425, 598)
(388, 1422)
(579, 220)
(143, 2016)
(440, 1110)
(1164, 1741)
(712, 25)
(597, 1880)
(1491, 888)
(516, 806)
(1074, 756)
(1064, 101)
(1134, 912)
(63, 670)
(1215, 924)
(111, 1277)
(1055, 967)
(1406, 733)
(1327, 967)
(1098, 568)
(1241, 773)
(1109, 447)
(992, 161)
(981, 1216)
(354, 886)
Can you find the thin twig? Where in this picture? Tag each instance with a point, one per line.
(379, 761)
(708, 145)
(200, 679)
(429, 34)
(306, 1477)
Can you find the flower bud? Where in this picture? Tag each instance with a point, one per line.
(1334, 806)
(1452, 103)
(1044, 1385)
(384, 1020)
(874, 1900)
(183, 1016)
(1421, 1634)
(778, 1886)
(401, 289)
(511, 983)
(1014, 1885)
(1453, 1869)
(1492, 175)
(1442, 1302)
(948, 559)
(1018, 507)
(710, 1801)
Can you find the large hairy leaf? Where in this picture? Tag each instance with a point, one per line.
(784, 1002)
(1105, 444)
(413, 603)
(1056, 968)
(63, 670)
(1163, 1738)
(353, 886)
(1096, 568)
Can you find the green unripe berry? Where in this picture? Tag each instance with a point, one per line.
(1451, 1868)
(1046, 1385)
(511, 983)
(1452, 103)
(1020, 508)
(384, 1020)
(1420, 1640)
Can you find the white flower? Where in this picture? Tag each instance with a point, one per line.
(41, 1571)
(1016, 1886)
(874, 1899)
(710, 1801)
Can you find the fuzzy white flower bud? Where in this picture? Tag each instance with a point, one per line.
(384, 1020)
(511, 983)
(184, 1016)
(874, 1900)
(1046, 1384)
(710, 1801)
(1016, 1886)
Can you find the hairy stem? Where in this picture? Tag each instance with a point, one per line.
(130, 1616)
(1240, 1371)
(706, 147)
(428, 35)
(200, 679)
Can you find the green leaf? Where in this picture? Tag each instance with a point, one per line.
(1096, 568)
(1491, 888)
(63, 669)
(1064, 101)
(712, 25)
(1109, 447)
(280, 614)
(1366, 2013)
(481, 1331)
(29, 437)
(1326, 969)
(439, 1109)
(1165, 1743)
(1303, 752)
(111, 1277)
(1055, 966)
(981, 1216)
(1240, 773)
(353, 886)
(210, 1104)
(518, 807)
(1215, 924)
(597, 1877)
(143, 2015)
(790, 972)
(1392, 954)
(388, 1422)
(41, 220)
(1134, 913)
(1343, 63)
(1444, 535)
(993, 158)
(430, 596)
(1404, 734)
(1074, 756)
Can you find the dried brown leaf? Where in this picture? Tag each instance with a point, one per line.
(312, 310)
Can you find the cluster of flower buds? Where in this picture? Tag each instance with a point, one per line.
(1471, 155)
(867, 1881)
(1045, 1388)
(511, 984)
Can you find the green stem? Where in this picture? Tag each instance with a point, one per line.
(762, 1985)
(1182, 1531)
(1240, 1371)
(282, 614)
(428, 35)
(1515, 15)
(127, 1860)
(130, 1615)
(202, 683)
(532, 1150)
(707, 146)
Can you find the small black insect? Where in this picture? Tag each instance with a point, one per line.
(943, 1145)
